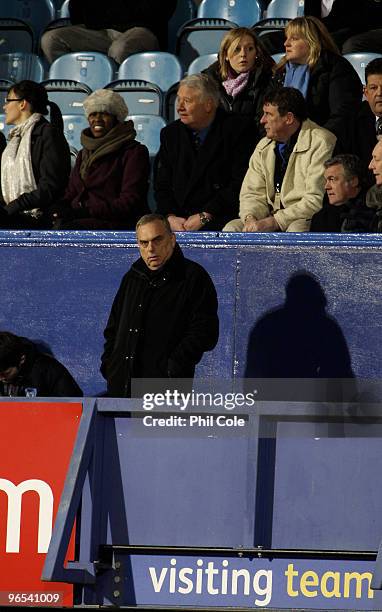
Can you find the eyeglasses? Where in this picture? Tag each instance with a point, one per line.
(8, 100)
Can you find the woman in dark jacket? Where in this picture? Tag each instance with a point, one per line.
(243, 73)
(35, 164)
(109, 182)
(329, 83)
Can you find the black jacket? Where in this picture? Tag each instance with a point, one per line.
(44, 374)
(353, 216)
(51, 168)
(365, 137)
(208, 181)
(121, 15)
(333, 97)
(249, 101)
(160, 323)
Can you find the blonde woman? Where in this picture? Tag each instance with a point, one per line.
(329, 83)
(243, 73)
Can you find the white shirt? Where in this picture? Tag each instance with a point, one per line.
(326, 7)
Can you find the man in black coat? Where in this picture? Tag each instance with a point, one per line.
(27, 371)
(202, 159)
(368, 123)
(117, 28)
(163, 317)
(344, 208)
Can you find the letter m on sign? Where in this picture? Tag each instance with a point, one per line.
(45, 516)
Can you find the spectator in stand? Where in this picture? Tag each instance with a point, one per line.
(242, 73)
(35, 164)
(109, 182)
(284, 185)
(344, 208)
(354, 26)
(118, 28)
(202, 159)
(368, 124)
(27, 371)
(374, 195)
(328, 82)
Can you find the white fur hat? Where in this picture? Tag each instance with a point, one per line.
(106, 101)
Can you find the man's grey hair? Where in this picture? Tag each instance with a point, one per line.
(352, 165)
(204, 84)
(150, 218)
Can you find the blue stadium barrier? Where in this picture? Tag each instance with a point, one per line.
(58, 288)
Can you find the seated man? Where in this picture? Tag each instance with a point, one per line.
(344, 209)
(374, 195)
(284, 184)
(117, 28)
(26, 371)
(368, 124)
(202, 159)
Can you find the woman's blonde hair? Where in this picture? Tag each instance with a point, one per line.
(262, 57)
(316, 35)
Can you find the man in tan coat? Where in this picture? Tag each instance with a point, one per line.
(284, 184)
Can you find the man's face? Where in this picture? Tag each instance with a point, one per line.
(193, 111)
(156, 244)
(373, 93)
(338, 189)
(376, 163)
(276, 126)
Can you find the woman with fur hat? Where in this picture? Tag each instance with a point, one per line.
(109, 182)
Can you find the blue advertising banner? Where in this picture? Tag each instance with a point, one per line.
(190, 581)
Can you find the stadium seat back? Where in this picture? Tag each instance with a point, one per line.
(185, 10)
(67, 94)
(157, 67)
(36, 13)
(200, 37)
(90, 67)
(285, 8)
(359, 61)
(15, 35)
(202, 62)
(141, 97)
(148, 128)
(73, 126)
(19, 66)
(243, 12)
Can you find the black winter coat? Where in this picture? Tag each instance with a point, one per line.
(352, 216)
(208, 181)
(160, 323)
(249, 102)
(333, 97)
(51, 169)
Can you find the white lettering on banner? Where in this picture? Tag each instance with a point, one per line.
(213, 580)
(45, 517)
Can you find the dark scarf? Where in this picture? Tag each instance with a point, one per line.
(94, 148)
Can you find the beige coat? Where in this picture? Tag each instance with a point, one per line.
(302, 189)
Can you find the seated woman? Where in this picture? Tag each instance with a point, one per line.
(109, 182)
(329, 83)
(35, 164)
(243, 73)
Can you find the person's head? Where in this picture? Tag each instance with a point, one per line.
(23, 99)
(305, 38)
(12, 356)
(240, 51)
(104, 108)
(344, 177)
(376, 162)
(284, 110)
(197, 101)
(156, 241)
(373, 87)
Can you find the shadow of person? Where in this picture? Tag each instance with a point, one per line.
(299, 340)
